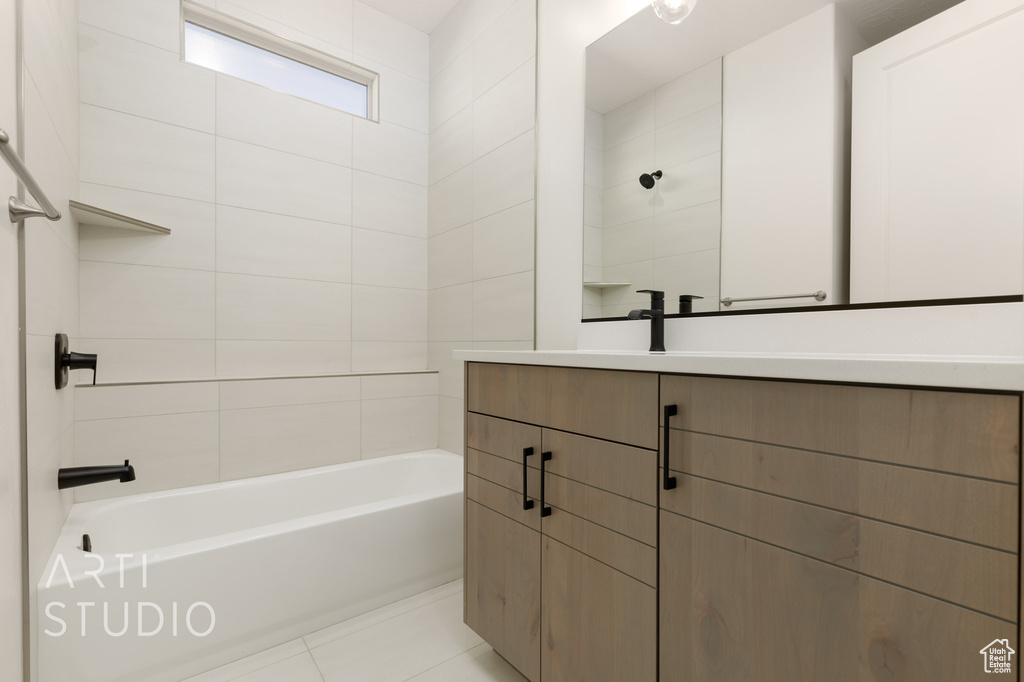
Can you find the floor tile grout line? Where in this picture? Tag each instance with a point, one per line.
(451, 658)
(375, 623)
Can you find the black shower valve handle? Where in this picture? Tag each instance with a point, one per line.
(65, 360)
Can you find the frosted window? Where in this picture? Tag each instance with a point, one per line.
(236, 58)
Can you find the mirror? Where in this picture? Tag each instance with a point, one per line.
(655, 99)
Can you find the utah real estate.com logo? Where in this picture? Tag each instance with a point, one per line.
(997, 656)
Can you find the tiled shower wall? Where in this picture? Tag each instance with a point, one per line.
(51, 137)
(481, 208)
(298, 248)
(666, 238)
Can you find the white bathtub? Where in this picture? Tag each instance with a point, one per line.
(274, 558)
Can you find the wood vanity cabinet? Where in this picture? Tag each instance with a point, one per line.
(835, 532)
(571, 595)
(814, 532)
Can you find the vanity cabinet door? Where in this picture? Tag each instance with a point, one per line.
(502, 586)
(598, 623)
(834, 532)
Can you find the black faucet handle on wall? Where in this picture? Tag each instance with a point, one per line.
(64, 361)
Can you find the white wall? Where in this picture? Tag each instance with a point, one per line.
(11, 469)
(665, 238)
(298, 249)
(481, 217)
(564, 29)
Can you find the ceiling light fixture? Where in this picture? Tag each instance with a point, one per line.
(673, 11)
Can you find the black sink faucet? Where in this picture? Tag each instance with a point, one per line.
(657, 315)
(76, 476)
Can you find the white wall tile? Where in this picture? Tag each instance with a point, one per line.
(639, 274)
(277, 182)
(699, 89)
(628, 242)
(486, 12)
(387, 40)
(508, 42)
(390, 150)
(692, 183)
(593, 206)
(450, 202)
(626, 162)
(698, 228)
(269, 440)
(417, 415)
(451, 313)
(451, 380)
(503, 242)
(451, 145)
(630, 120)
(48, 506)
(137, 78)
(52, 68)
(144, 400)
(136, 153)
(326, 26)
(386, 259)
(451, 90)
(629, 202)
(252, 113)
(51, 284)
(244, 394)
(506, 111)
(451, 257)
(504, 178)
(386, 314)
(690, 273)
(388, 356)
(151, 359)
(259, 243)
(49, 412)
(452, 36)
(190, 244)
(167, 451)
(144, 302)
(151, 21)
(593, 129)
(273, 308)
(503, 308)
(689, 138)
(404, 99)
(380, 203)
(593, 168)
(244, 358)
(52, 161)
(376, 387)
(451, 415)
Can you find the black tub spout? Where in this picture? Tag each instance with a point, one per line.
(76, 476)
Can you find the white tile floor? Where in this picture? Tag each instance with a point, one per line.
(419, 639)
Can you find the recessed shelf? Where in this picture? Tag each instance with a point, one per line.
(91, 215)
(605, 285)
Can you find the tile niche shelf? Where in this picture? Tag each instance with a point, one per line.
(605, 285)
(91, 215)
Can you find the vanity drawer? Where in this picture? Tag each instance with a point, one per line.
(501, 437)
(613, 405)
(972, 434)
(958, 507)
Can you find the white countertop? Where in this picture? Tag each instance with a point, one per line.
(952, 371)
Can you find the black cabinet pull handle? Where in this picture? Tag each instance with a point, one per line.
(668, 482)
(544, 510)
(527, 502)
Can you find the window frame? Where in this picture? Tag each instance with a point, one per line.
(244, 32)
